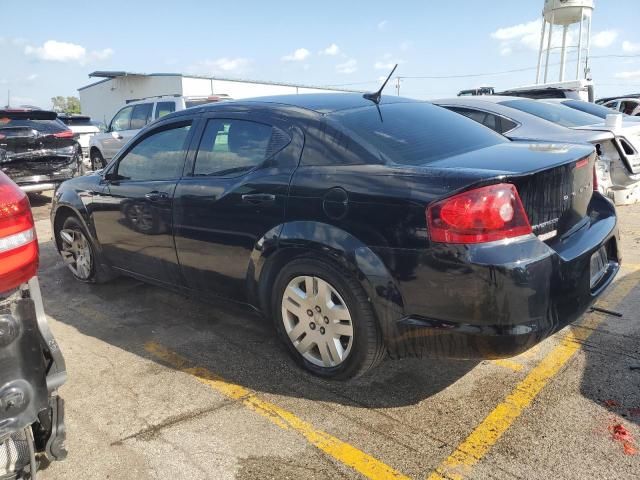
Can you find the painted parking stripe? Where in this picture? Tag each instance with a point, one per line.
(339, 450)
(460, 463)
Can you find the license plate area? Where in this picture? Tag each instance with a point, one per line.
(599, 266)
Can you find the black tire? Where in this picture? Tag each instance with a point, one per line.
(98, 271)
(368, 347)
(97, 160)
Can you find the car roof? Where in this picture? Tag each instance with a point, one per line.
(323, 103)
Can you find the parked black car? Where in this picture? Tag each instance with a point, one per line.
(360, 228)
(37, 150)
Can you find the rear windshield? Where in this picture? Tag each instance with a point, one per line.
(591, 108)
(558, 114)
(44, 126)
(77, 121)
(416, 133)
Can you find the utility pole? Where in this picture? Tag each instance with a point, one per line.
(398, 86)
(8, 98)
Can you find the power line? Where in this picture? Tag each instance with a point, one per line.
(474, 75)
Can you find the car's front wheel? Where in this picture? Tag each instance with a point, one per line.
(324, 317)
(97, 160)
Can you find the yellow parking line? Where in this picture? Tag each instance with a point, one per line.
(508, 363)
(341, 451)
(459, 464)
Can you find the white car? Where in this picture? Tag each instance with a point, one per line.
(135, 116)
(83, 129)
(630, 106)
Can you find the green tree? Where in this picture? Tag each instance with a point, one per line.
(66, 105)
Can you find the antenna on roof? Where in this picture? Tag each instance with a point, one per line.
(376, 96)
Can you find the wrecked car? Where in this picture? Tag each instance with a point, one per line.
(37, 150)
(32, 368)
(522, 119)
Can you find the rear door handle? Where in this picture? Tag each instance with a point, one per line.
(256, 198)
(156, 196)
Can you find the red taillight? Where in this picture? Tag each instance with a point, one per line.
(481, 215)
(64, 134)
(18, 243)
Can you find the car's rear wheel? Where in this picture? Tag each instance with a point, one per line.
(79, 254)
(324, 317)
(97, 160)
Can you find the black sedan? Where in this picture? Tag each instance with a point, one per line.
(360, 228)
(37, 150)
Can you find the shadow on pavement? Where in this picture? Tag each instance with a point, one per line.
(232, 342)
(611, 376)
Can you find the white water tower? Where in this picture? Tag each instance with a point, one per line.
(574, 16)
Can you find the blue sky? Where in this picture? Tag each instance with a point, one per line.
(49, 48)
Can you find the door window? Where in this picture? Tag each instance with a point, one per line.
(160, 156)
(165, 108)
(232, 147)
(122, 120)
(141, 115)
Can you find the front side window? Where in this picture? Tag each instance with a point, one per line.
(164, 108)
(232, 147)
(122, 120)
(160, 156)
(141, 115)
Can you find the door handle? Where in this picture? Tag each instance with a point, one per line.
(156, 196)
(119, 137)
(256, 198)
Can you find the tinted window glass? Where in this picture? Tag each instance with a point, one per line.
(76, 121)
(506, 125)
(141, 115)
(591, 108)
(121, 120)
(416, 133)
(165, 108)
(232, 147)
(159, 156)
(558, 114)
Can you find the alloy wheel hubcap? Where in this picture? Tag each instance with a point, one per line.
(317, 321)
(76, 252)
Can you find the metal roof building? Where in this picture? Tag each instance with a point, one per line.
(102, 99)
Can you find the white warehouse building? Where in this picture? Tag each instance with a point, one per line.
(102, 99)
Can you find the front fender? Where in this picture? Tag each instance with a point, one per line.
(295, 239)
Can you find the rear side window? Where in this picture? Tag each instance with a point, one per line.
(232, 147)
(165, 108)
(141, 115)
(160, 156)
(416, 133)
(558, 114)
(592, 108)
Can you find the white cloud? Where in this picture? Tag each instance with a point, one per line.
(604, 39)
(32, 77)
(55, 51)
(517, 31)
(383, 25)
(350, 66)
(387, 62)
(629, 47)
(331, 50)
(406, 45)
(298, 55)
(505, 50)
(227, 65)
(628, 75)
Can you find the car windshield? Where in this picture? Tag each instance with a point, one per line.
(565, 116)
(77, 121)
(416, 133)
(591, 108)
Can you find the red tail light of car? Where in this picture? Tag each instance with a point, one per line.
(18, 242)
(64, 134)
(485, 214)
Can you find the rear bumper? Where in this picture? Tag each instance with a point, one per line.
(498, 300)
